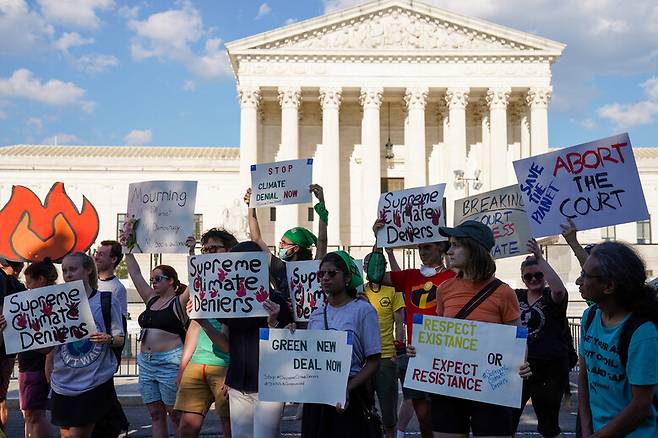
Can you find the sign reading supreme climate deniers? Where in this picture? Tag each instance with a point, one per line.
(228, 285)
(48, 316)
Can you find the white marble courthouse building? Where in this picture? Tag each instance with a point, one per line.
(387, 95)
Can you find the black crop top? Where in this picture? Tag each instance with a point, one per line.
(164, 319)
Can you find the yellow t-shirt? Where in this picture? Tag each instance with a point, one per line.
(386, 302)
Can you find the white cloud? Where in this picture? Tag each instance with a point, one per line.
(138, 137)
(290, 21)
(62, 138)
(643, 112)
(75, 13)
(651, 87)
(22, 30)
(96, 63)
(263, 10)
(170, 35)
(23, 84)
(189, 85)
(71, 39)
(587, 123)
(35, 122)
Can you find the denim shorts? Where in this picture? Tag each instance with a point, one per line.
(157, 375)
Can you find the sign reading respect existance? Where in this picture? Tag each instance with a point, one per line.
(467, 359)
(164, 215)
(48, 316)
(228, 285)
(308, 366)
(596, 184)
(411, 216)
(281, 183)
(503, 211)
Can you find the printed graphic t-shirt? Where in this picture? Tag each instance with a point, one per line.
(499, 307)
(609, 384)
(386, 302)
(357, 317)
(206, 352)
(83, 365)
(420, 293)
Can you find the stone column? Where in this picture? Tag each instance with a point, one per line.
(498, 98)
(330, 99)
(249, 100)
(436, 169)
(484, 162)
(538, 99)
(371, 100)
(287, 216)
(457, 99)
(415, 160)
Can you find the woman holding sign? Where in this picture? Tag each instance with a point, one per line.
(163, 325)
(619, 345)
(82, 380)
(339, 278)
(470, 254)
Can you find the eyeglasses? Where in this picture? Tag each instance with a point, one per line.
(584, 274)
(158, 279)
(331, 273)
(530, 275)
(211, 249)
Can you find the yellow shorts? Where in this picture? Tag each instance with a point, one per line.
(200, 386)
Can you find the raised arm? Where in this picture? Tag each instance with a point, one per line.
(190, 242)
(558, 290)
(254, 227)
(392, 261)
(569, 234)
(321, 210)
(378, 225)
(144, 290)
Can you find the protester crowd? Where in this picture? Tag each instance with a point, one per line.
(186, 365)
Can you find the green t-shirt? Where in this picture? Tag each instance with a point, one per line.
(206, 353)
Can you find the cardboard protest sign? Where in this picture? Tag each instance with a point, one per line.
(411, 216)
(596, 184)
(228, 285)
(308, 366)
(281, 183)
(467, 359)
(305, 292)
(33, 231)
(51, 315)
(503, 211)
(164, 215)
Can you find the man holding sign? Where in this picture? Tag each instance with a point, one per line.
(475, 295)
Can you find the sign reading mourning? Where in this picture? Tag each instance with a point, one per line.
(596, 184)
(467, 359)
(411, 216)
(47, 316)
(281, 183)
(308, 366)
(164, 214)
(228, 285)
(503, 211)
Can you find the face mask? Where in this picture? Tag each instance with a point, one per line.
(427, 271)
(283, 254)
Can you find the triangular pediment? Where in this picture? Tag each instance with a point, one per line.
(395, 26)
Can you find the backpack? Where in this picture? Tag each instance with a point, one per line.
(106, 308)
(632, 324)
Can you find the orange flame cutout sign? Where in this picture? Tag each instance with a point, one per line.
(32, 231)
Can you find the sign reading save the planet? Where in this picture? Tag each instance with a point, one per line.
(48, 316)
(281, 183)
(467, 359)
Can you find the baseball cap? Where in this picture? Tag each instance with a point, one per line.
(475, 230)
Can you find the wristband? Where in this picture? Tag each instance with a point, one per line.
(321, 210)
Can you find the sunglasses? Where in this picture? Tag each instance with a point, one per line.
(211, 249)
(158, 279)
(537, 275)
(331, 273)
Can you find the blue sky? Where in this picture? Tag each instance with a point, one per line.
(109, 72)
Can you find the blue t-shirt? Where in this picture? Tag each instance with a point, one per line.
(609, 384)
(357, 317)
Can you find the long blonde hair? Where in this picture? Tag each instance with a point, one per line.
(87, 263)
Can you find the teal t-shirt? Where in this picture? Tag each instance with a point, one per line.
(206, 353)
(609, 384)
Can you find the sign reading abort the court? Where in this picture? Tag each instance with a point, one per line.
(281, 183)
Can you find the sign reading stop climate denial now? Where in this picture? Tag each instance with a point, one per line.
(596, 184)
(47, 316)
(228, 285)
(411, 216)
(503, 211)
(467, 359)
(281, 183)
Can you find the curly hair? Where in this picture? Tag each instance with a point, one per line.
(220, 234)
